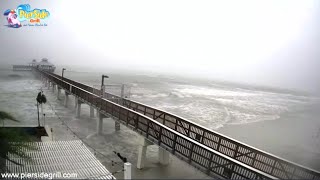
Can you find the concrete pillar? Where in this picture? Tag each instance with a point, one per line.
(91, 112)
(116, 125)
(75, 102)
(127, 170)
(66, 99)
(59, 92)
(45, 83)
(49, 85)
(53, 87)
(143, 144)
(97, 112)
(78, 108)
(100, 123)
(163, 156)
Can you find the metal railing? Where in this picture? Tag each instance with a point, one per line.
(239, 151)
(198, 155)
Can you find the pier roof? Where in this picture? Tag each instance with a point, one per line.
(58, 157)
(45, 62)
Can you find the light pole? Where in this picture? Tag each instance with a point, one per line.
(44, 118)
(63, 69)
(102, 84)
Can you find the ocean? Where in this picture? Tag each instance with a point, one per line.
(209, 103)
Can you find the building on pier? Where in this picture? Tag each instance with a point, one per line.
(44, 65)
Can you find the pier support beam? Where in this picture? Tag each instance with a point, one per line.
(75, 102)
(45, 83)
(97, 112)
(49, 85)
(91, 112)
(163, 156)
(100, 123)
(116, 125)
(78, 108)
(143, 144)
(66, 99)
(53, 87)
(59, 92)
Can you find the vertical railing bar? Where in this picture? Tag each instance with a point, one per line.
(174, 143)
(191, 151)
(159, 135)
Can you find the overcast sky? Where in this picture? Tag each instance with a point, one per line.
(271, 42)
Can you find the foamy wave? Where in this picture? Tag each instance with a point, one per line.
(179, 95)
(212, 92)
(245, 118)
(160, 95)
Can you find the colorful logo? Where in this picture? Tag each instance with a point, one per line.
(23, 13)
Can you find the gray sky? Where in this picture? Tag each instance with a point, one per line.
(271, 42)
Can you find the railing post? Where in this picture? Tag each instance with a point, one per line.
(159, 136)
(191, 151)
(122, 93)
(174, 143)
(147, 131)
(209, 163)
(236, 151)
(116, 123)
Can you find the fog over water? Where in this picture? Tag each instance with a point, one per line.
(272, 43)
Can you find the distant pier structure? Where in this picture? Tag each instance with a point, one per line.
(43, 65)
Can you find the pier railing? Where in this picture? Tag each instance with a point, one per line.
(21, 68)
(198, 155)
(239, 151)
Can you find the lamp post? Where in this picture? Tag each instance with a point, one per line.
(44, 119)
(102, 84)
(63, 69)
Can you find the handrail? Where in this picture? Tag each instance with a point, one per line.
(198, 155)
(256, 158)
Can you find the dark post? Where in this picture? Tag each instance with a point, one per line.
(44, 118)
(102, 83)
(63, 69)
(38, 114)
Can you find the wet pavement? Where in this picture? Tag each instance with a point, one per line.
(17, 96)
